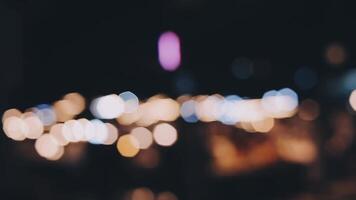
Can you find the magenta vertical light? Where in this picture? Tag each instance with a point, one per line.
(169, 51)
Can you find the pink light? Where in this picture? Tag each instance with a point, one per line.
(169, 51)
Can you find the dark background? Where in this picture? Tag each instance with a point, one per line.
(50, 48)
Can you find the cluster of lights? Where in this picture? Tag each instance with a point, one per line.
(54, 126)
(253, 115)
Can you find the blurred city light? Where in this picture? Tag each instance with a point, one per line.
(131, 101)
(112, 135)
(35, 126)
(47, 147)
(128, 146)
(187, 111)
(143, 137)
(57, 131)
(15, 128)
(169, 52)
(165, 134)
(77, 101)
(142, 194)
(11, 113)
(352, 100)
(107, 107)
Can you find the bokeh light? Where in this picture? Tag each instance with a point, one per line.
(280, 104)
(46, 114)
(187, 111)
(107, 107)
(15, 128)
(165, 134)
(263, 126)
(35, 126)
(131, 101)
(73, 131)
(100, 132)
(77, 101)
(169, 54)
(128, 146)
(47, 147)
(352, 100)
(143, 137)
(57, 131)
(166, 196)
(142, 194)
(65, 110)
(11, 113)
(112, 135)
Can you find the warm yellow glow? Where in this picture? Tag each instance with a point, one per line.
(165, 109)
(249, 110)
(35, 126)
(77, 101)
(165, 134)
(65, 110)
(15, 128)
(263, 126)
(147, 114)
(143, 136)
(128, 146)
(142, 194)
(11, 113)
(296, 150)
(47, 147)
(57, 132)
(128, 118)
(247, 126)
(112, 135)
(352, 100)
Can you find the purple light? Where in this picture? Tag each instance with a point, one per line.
(169, 51)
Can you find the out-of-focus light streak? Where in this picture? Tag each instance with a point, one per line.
(169, 52)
